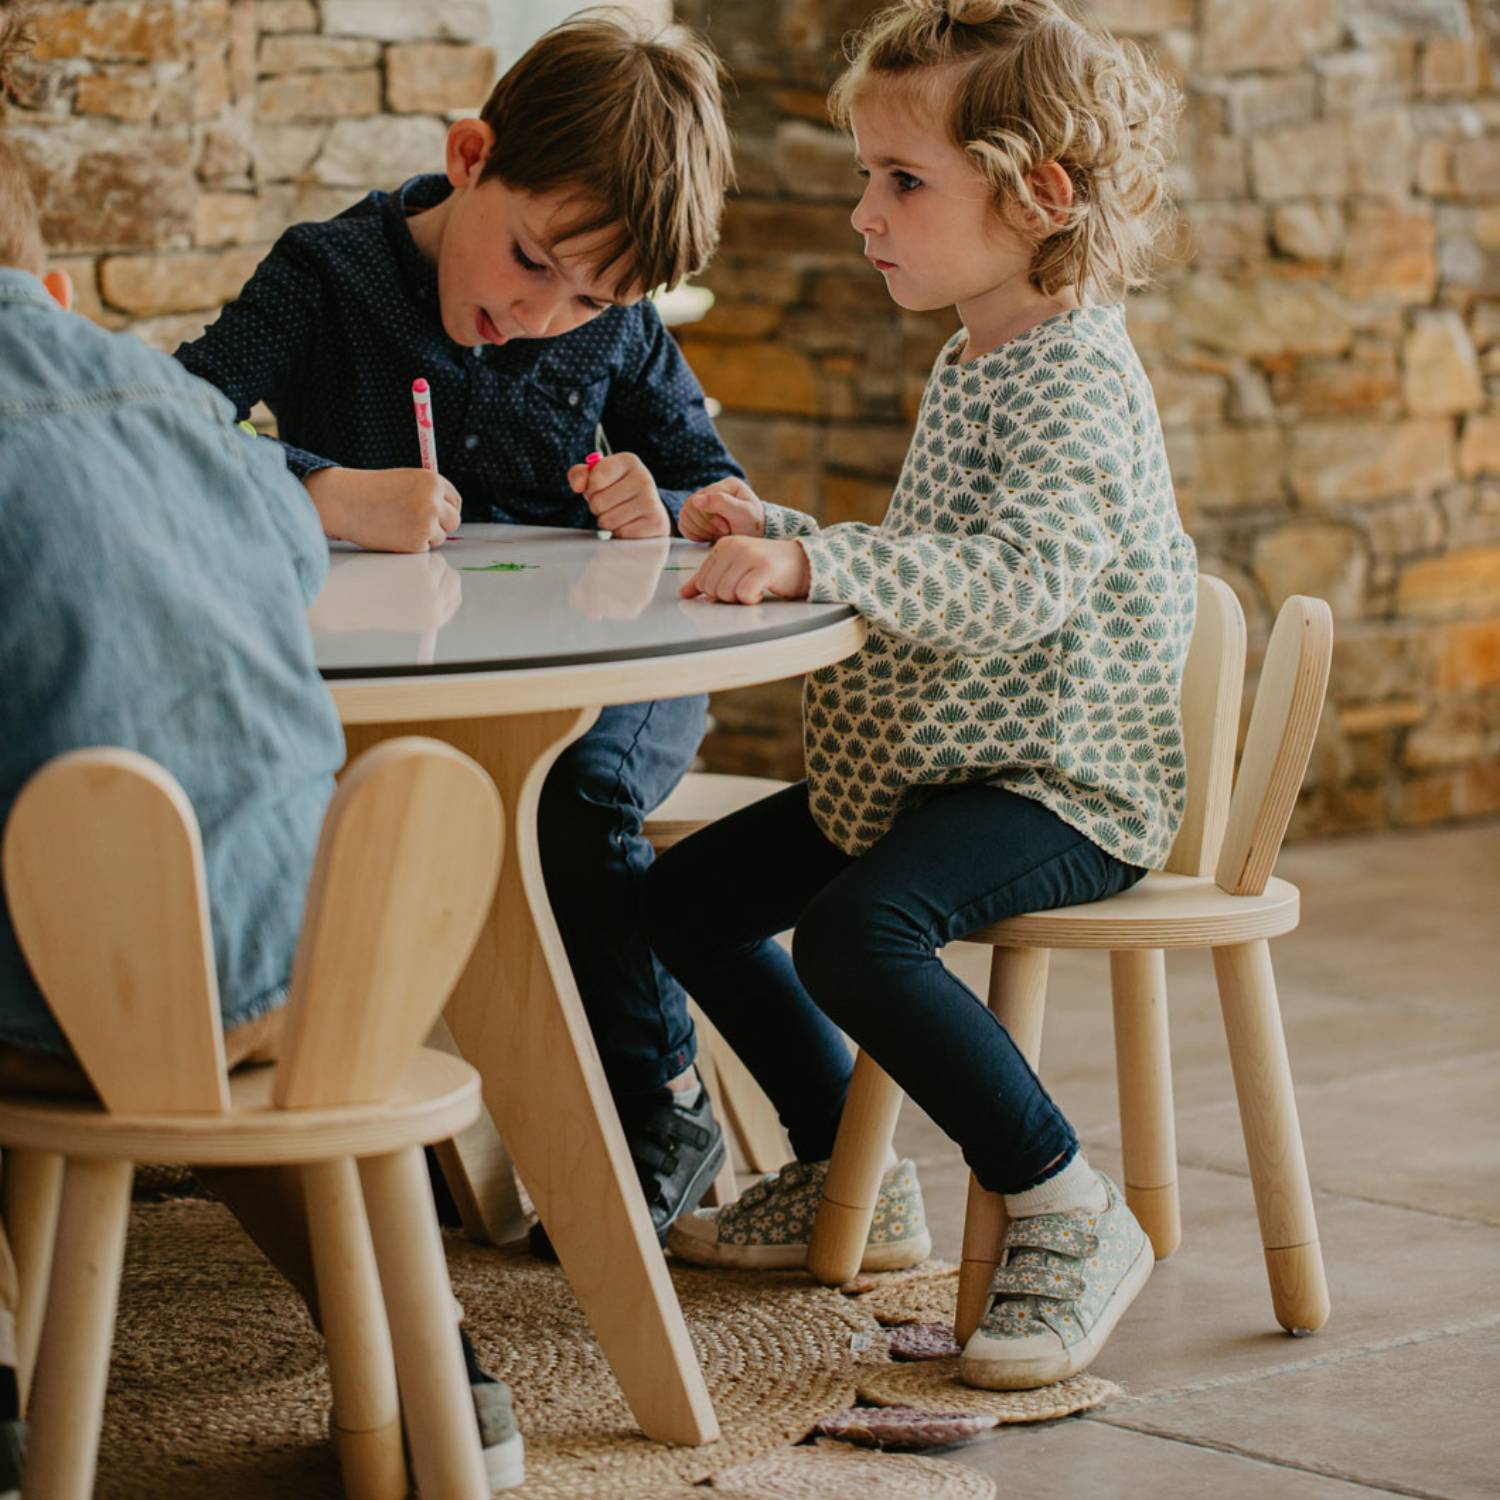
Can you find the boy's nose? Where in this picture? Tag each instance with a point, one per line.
(864, 220)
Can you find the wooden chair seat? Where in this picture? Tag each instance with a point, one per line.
(436, 1096)
(703, 797)
(1162, 911)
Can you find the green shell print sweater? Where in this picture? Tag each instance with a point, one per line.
(1030, 595)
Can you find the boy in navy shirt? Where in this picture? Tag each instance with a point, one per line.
(514, 285)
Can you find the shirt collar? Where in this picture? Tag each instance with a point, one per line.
(24, 288)
(414, 195)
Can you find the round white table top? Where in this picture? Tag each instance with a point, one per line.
(504, 606)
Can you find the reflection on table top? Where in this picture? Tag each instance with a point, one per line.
(506, 597)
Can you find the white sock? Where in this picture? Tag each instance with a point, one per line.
(688, 1098)
(1077, 1186)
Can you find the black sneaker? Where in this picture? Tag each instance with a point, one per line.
(677, 1154)
(12, 1457)
(12, 1433)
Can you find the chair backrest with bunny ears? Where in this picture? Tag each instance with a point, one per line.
(103, 871)
(104, 876)
(404, 875)
(1212, 682)
(1283, 724)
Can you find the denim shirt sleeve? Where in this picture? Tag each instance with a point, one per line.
(255, 349)
(655, 410)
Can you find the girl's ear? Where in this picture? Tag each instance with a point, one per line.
(60, 284)
(469, 143)
(1053, 190)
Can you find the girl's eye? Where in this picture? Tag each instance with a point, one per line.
(905, 182)
(862, 172)
(524, 260)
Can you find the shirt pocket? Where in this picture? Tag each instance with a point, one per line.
(565, 413)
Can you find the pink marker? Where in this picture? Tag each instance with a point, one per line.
(590, 460)
(421, 399)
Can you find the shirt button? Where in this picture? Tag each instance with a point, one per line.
(471, 442)
(478, 350)
(573, 398)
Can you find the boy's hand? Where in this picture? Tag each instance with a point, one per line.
(727, 508)
(622, 495)
(386, 510)
(745, 570)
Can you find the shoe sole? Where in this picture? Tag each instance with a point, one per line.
(1028, 1375)
(895, 1256)
(505, 1464)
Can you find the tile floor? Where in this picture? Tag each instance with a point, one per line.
(1390, 992)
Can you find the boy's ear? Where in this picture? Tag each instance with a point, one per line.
(469, 143)
(60, 284)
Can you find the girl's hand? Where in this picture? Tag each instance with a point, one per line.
(727, 508)
(745, 570)
(623, 497)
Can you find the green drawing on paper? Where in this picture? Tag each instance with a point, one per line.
(499, 567)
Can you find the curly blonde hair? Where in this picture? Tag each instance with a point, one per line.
(1034, 85)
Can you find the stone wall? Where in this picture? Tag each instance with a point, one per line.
(1324, 340)
(1324, 343)
(173, 140)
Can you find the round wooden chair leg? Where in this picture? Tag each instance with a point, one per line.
(1143, 1059)
(1018, 998)
(984, 1229)
(361, 1367)
(1273, 1136)
(725, 1188)
(67, 1397)
(440, 1419)
(33, 1193)
(866, 1127)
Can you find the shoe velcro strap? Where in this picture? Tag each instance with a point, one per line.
(1050, 1232)
(1038, 1276)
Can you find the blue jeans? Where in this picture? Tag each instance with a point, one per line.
(864, 959)
(594, 859)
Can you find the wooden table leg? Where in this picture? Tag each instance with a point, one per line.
(517, 1017)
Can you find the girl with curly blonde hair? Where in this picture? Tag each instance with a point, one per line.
(1009, 738)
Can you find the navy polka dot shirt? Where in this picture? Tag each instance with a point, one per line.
(342, 316)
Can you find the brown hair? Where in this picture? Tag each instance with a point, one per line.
(1035, 85)
(21, 243)
(632, 120)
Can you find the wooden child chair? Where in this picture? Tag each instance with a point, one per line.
(1215, 892)
(105, 878)
(741, 1106)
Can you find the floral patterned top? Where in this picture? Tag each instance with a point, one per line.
(1031, 596)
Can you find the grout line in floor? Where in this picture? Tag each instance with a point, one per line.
(1296, 1367)
(1387, 1487)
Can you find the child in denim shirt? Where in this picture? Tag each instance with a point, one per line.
(156, 566)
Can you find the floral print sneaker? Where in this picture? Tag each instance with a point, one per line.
(769, 1225)
(1063, 1282)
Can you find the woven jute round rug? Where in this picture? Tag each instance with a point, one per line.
(835, 1471)
(927, 1293)
(218, 1389)
(933, 1385)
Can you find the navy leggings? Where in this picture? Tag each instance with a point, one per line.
(864, 960)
